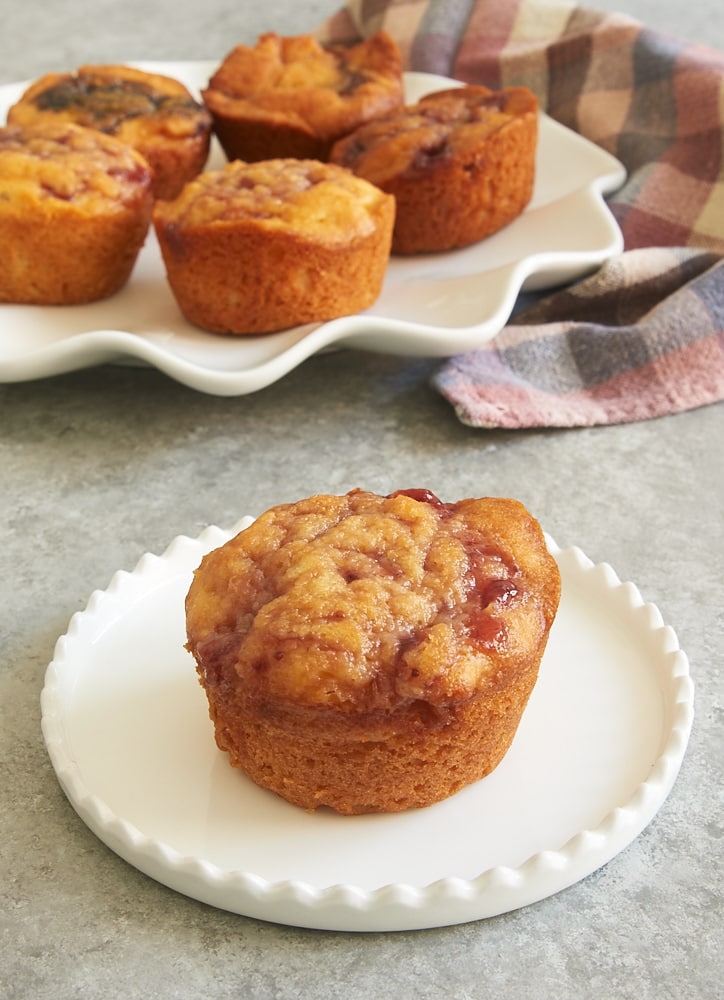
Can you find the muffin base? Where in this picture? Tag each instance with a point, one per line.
(247, 281)
(408, 759)
(61, 259)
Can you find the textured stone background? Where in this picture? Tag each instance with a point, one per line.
(99, 466)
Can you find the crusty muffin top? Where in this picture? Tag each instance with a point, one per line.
(362, 602)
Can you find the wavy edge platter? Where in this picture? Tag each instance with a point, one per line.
(661, 705)
(435, 305)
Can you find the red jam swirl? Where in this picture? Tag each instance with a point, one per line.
(422, 496)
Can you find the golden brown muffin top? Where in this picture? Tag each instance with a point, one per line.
(298, 80)
(314, 199)
(68, 166)
(443, 124)
(361, 602)
(130, 103)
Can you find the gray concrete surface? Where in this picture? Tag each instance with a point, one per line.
(102, 465)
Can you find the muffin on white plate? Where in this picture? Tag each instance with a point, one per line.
(372, 653)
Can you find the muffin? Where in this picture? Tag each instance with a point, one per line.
(75, 207)
(291, 97)
(258, 247)
(153, 113)
(460, 163)
(372, 653)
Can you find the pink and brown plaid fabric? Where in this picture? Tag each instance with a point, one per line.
(644, 336)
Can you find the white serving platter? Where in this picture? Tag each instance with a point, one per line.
(435, 305)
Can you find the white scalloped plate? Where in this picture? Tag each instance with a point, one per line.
(433, 305)
(596, 754)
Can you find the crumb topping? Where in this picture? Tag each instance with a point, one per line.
(70, 164)
(305, 196)
(443, 124)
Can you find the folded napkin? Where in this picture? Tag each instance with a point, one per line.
(644, 336)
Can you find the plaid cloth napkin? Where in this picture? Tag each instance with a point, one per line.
(644, 336)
